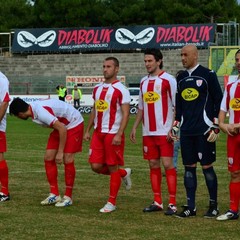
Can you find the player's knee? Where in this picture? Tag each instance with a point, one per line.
(96, 168)
(209, 174)
(190, 177)
(235, 176)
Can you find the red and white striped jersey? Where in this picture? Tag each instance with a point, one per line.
(46, 112)
(231, 101)
(157, 100)
(108, 99)
(4, 97)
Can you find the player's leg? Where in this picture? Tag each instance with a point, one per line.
(152, 154)
(189, 157)
(114, 159)
(166, 152)
(4, 194)
(52, 177)
(207, 157)
(51, 168)
(73, 145)
(234, 185)
(171, 177)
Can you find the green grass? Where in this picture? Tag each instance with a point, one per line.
(24, 218)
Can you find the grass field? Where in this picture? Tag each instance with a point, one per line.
(24, 218)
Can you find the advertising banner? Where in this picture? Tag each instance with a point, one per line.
(110, 38)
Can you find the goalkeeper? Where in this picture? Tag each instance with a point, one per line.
(198, 102)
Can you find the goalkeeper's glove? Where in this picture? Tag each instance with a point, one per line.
(214, 131)
(174, 133)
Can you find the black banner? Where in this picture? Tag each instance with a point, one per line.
(104, 38)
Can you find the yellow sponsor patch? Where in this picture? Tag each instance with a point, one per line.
(190, 94)
(101, 105)
(235, 104)
(150, 97)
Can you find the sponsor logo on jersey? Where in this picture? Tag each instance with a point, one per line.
(235, 104)
(151, 97)
(190, 94)
(101, 105)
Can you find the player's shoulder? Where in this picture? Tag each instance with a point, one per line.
(145, 78)
(205, 69)
(168, 76)
(119, 85)
(3, 78)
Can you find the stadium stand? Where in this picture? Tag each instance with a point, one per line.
(40, 74)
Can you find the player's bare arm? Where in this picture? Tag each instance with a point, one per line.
(125, 117)
(86, 136)
(230, 129)
(135, 125)
(3, 109)
(62, 140)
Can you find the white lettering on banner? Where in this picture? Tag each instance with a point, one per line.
(88, 81)
(29, 98)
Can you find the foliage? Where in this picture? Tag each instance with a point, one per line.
(98, 13)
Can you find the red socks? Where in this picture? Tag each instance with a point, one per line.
(52, 174)
(156, 181)
(70, 173)
(234, 189)
(115, 183)
(4, 177)
(171, 177)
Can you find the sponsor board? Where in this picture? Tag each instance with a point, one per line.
(86, 101)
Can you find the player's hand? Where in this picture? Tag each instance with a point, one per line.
(174, 133)
(117, 140)
(232, 129)
(86, 136)
(133, 135)
(59, 158)
(214, 131)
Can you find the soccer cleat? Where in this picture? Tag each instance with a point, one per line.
(51, 199)
(154, 207)
(66, 201)
(186, 212)
(127, 179)
(229, 215)
(109, 207)
(172, 209)
(4, 197)
(212, 212)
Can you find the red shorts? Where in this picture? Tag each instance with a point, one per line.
(102, 151)
(73, 142)
(3, 142)
(233, 152)
(155, 147)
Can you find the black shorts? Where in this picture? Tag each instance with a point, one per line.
(197, 149)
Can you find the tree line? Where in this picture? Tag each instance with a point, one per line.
(100, 13)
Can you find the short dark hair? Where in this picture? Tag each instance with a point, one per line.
(18, 105)
(238, 51)
(115, 60)
(156, 53)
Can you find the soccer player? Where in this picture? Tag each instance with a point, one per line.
(64, 141)
(230, 104)
(4, 101)
(109, 117)
(198, 102)
(155, 111)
